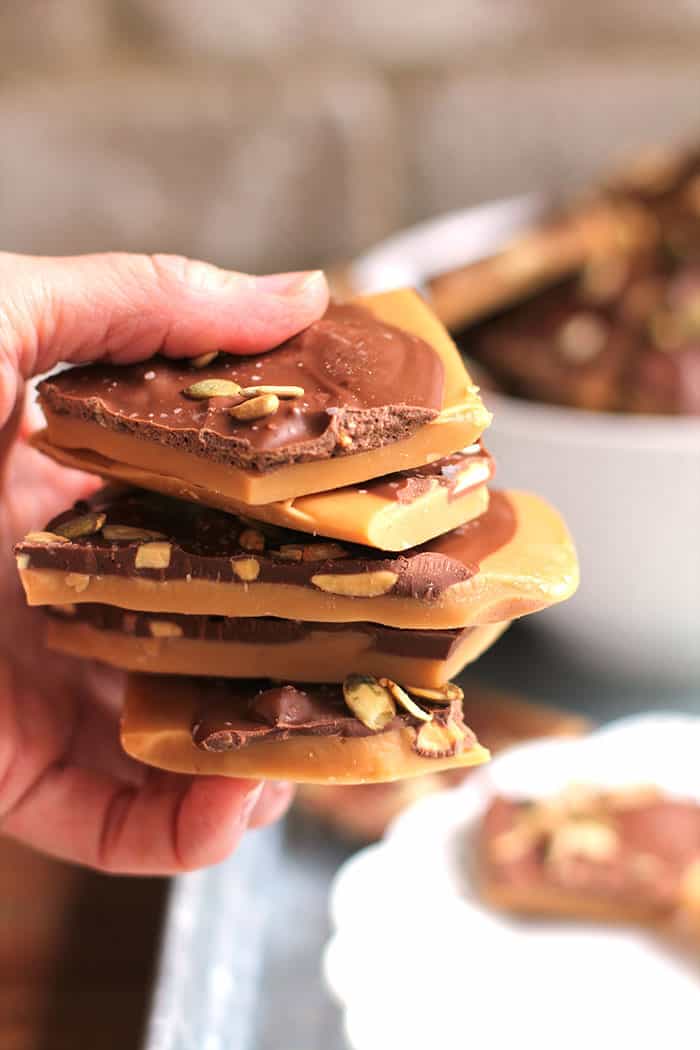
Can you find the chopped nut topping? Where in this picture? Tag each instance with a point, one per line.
(204, 359)
(77, 581)
(439, 741)
(282, 392)
(586, 839)
(45, 538)
(369, 701)
(323, 552)
(153, 556)
(165, 629)
(445, 694)
(130, 534)
(256, 408)
(252, 540)
(582, 338)
(404, 699)
(357, 584)
(246, 569)
(85, 525)
(207, 388)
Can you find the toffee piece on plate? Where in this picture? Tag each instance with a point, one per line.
(147, 552)
(630, 854)
(366, 730)
(391, 513)
(217, 646)
(375, 386)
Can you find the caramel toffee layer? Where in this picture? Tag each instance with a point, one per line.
(365, 384)
(626, 846)
(232, 714)
(395, 512)
(181, 541)
(265, 631)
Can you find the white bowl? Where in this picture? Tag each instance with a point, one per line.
(416, 960)
(629, 489)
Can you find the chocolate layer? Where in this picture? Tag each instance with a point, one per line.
(365, 384)
(234, 713)
(201, 543)
(264, 630)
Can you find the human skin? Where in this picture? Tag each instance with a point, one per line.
(66, 788)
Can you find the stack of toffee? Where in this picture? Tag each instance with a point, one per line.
(300, 552)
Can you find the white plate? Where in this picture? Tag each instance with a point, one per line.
(417, 962)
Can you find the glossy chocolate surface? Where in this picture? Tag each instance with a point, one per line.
(366, 384)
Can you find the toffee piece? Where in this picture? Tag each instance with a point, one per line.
(147, 552)
(216, 646)
(394, 512)
(623, 855)
(305, 734)
(375, 386)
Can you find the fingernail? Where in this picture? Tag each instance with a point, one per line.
(250, 801)
(291, 284)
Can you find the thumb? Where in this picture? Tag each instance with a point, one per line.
(127, 307)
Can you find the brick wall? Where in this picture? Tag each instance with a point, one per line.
(291, 132)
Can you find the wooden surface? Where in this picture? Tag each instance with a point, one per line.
(77, 952)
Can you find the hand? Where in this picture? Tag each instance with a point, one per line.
(65, 785)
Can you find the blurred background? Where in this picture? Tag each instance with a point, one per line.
(289, 134)
(297, 132)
